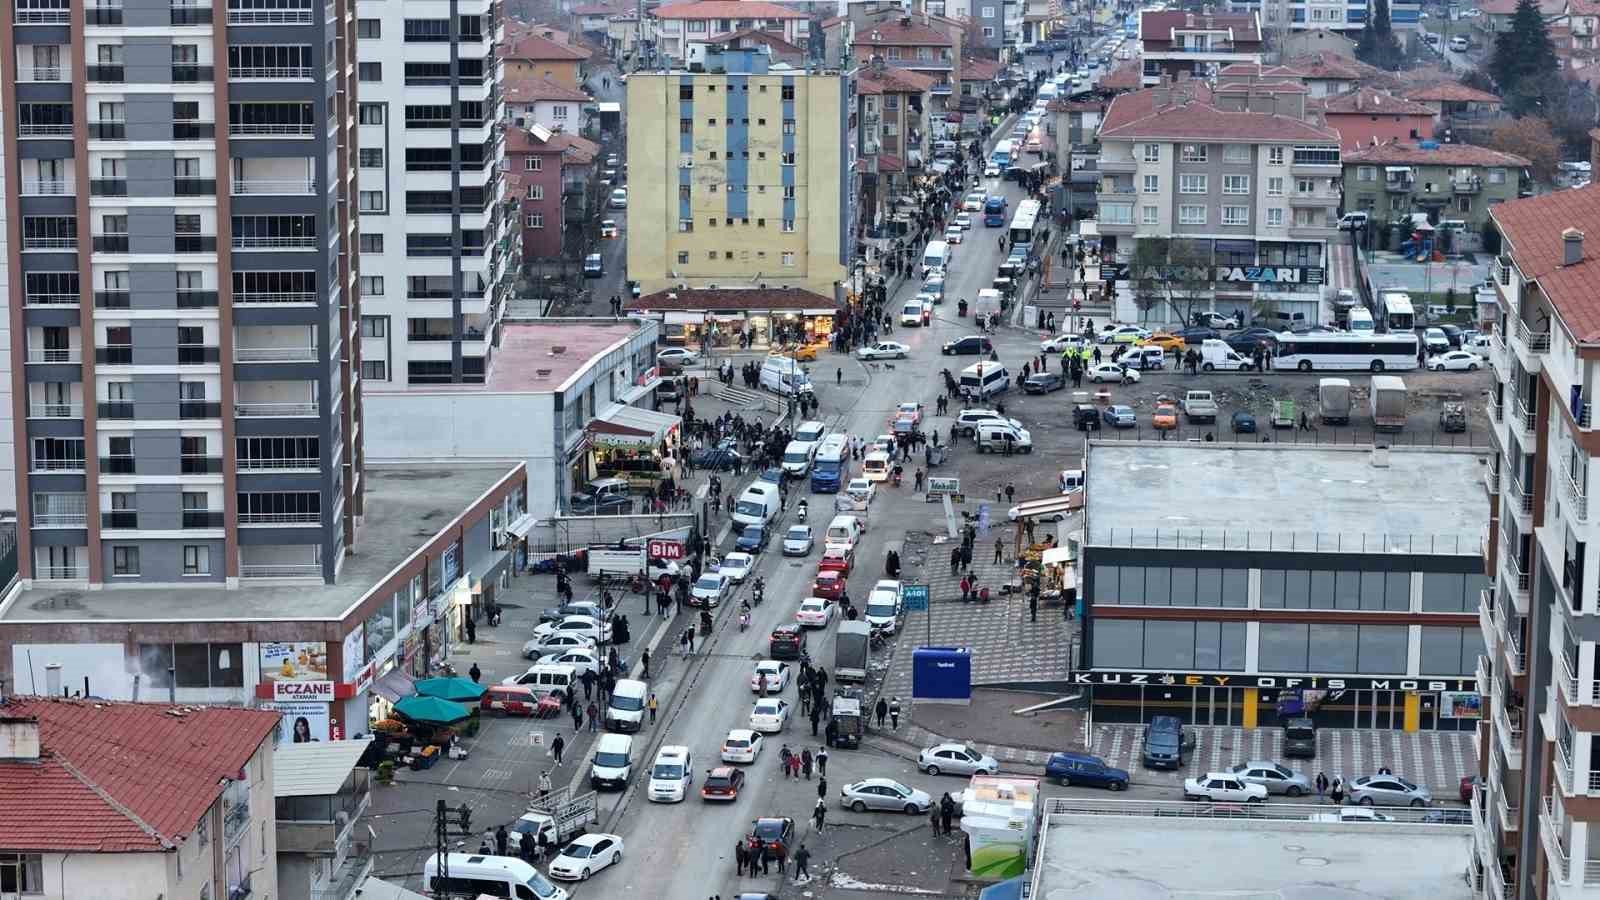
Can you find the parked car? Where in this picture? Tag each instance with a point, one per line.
(1085, 417)
(956, 759)
(1276, 778)
(884, 794)
(1388, 790)
(1223, 787)
(772, 832)
(1068, 768)
(1243, 423)
(1120, 416)
(1043, 383)
(1114, 372)
(1455, 361)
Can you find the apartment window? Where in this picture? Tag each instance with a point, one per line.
(988, 12)
(1191, 215)
(1305, 186)
(685, 226)
(1236, 184)
(988, 32)
(371, 157)
(686, 126)
(371, 243)
(1275, 217)
(1497, 176)
(1275, 156)
(711, 121)
(1236, 153)
(683, 257)
(787, 159)
(369, 29)
(558, 111)
(1367, 173)
(788, 192)
(374, 326)
(375, 369)
(369, 71)
(371, 285)
(534, 164)
(1152, 153)
(1275, 186)
(1463, 204)
(711, 255)
(536, 192)
(788, 259)
(788, 126)
(788, 92)
(371, 201)
(1194, 153)
(1236, 215)
(196, 561)
(1149, 215)
(788, 226)
(685, 92)
(1191, 184)
(1152, 184)
(712, 154)
(369, 113)
(124, 560)
(21, 873)
(535, 220)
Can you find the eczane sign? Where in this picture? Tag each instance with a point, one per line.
(316, 691)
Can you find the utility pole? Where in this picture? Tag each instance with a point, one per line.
(441, 851)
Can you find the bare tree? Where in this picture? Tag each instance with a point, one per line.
(1173, 273)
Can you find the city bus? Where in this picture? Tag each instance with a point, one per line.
(1025, 224)
(994, 212)
(831, 467)
(1001, 156)
(1394, 310)
(1322, 352)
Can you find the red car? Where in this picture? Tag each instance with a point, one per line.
(829, 585)
(722, 783)
(837, 559)
(774, 832)
(1467, 784)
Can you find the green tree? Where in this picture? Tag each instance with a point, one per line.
(1524, 62)
(1378, 45)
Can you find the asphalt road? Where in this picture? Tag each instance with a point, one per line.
(684, 851)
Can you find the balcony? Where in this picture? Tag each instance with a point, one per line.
(245, 410)
(54, 355)
(1577, 495)
(24, 14)
(197, 464)
(41, 73)
(48, 187)
(119, 520)
(194, 187)
(194, 243)
(108, 131)
(112, 300)
(1496, 411)
(1523, 421)
(108, 187)
(274, 73)
(107, 74)
(274, 354)
(183, 14)
(1505, 805)
(55, 410)
(202, 518)
(1481, 673)
(1487, 622)
(277, 464)
(273, 298)
(280, 570)
(348, 875)
(114, 409)
(235, 812)
(49, 242)
(1529, 342)
(272, 129)
(1500, 270)
(280, 518)
(274, 242)
(103, 14)
(1549, 836)
(1491, 481)
(1518, 497)
(286, 16)
(1508, 728)
(114, 355)
(1515, 575)
(121, 464)
(196, 299)
(198, 355)
(1516, 654)
(190, 130)
(61, 573)
(274, 186)
(1398, 185)
(199, 409)
(1469, 185)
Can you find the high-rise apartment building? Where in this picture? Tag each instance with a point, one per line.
(1536, 813)
(739, 175)
(180, 245)
(432, 245)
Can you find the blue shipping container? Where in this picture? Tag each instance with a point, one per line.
(941, 675)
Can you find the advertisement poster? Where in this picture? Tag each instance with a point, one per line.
(353, 658)
(300, 722)
(294, 661)
(1460, 705)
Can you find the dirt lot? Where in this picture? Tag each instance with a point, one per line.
(1057, 445)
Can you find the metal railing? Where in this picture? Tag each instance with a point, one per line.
(1576, 494)
(1496, 411)
(248, 464)
(289, 518)
(55, 465)
(41, 73)
(1524, 421)
(48, 187)
(44, 130)
(275, 354)
(1519, 576)
(61, 573)
(1254, 812)
(294, 186)
(1537, 342)
(24, 16)
(78, 519)
(1502, 270)
(269, 298)
(271, 16)
(51, 300)
(264, 242)
(1491, 480)
(1560, 861)
(250, 410)
(49, 243)
(298, 129)
(1521, 499)
(1285, 541)
(280, 570)
(55, 410)
(1508, 728)
(44, 355)
(270, 72)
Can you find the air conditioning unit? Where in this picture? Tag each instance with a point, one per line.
(686, 163)
(870, 148)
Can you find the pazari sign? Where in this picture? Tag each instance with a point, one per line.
(1274, 682)
(1310, 275)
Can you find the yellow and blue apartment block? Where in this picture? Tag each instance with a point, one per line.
(739, 176)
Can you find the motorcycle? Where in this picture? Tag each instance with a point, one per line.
(744, 620)
(800, 511)
(877, 637)
(758, 592)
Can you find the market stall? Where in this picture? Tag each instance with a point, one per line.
(638, 445)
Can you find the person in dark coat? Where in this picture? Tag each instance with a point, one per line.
(881, 711)
(475, 673)
(947, 811)
(740, 856)
(502, 841)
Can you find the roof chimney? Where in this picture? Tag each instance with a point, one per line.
(1571, 247)
(19, 739)
(1188, 20)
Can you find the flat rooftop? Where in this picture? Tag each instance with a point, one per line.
(405, 507)
(524, 356)
(1117, 858)
(1290, 498)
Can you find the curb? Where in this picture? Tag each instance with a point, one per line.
(894, 745)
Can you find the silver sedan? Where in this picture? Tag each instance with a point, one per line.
(1275, 778)
(956, 759)
(885, 794)
(1388, 790)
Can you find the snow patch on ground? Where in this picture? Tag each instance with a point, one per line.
(844, 882)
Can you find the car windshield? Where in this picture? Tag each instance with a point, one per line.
(736, 743)
(794, 456)
(669, 771)
(1405, 784)
(880, 610)
(718, 781)
(766, 709)
(769, 830)
(798, 534)
(750, 508)
(626, 703)
(525, 826)
(707, 583)
(540, 887)
(612, 760)
(576, 851)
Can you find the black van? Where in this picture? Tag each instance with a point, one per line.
(1300, 738)
(1165, 743)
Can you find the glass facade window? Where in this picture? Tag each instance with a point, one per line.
(1180, 645)
(1171, 586)
(1322, 589)
(1450, 650)
(1448, 592)
(1298, 648)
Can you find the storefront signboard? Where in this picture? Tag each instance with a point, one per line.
(316, 691)
(1460, 705)
(301, 721)
(452, 562)
(294, 661)
(938, 485)
(356, 671)
(1274, 682)
(667, 550)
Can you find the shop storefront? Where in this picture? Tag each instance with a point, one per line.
(733, 319)
(638, 445)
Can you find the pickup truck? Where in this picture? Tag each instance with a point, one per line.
(1200, 406)
(560, 816)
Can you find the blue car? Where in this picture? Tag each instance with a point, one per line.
(753, 539)
(1084, 769)
(1120, 416)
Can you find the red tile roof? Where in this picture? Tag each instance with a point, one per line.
(733, 299)
(1583, 7)
(122, 777)
(780, 47)
(1256, 70)
(532, 88)
(977, 69)
(1547, 8)
(1373, 102)
(888, 162)
(574, 150)
(1262, 87)
(1126, 77)
(1072, 106)
(1135, 115)
(1157, 27)
(1532, 230)
(1450, 92)
(727, 9)
(899, 34)
(1326, 65)
(1398, 153)
(893, 81)
(538, 48)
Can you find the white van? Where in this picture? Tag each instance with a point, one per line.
(1143, 358)
(1215, 354)
(625, 712)
(473, 875)
(983, 380)
(843, 531)
(782, 375)
(798, 456)
(1360, 320)
(911, 313)
(811, 432)
(671, 775)
(758, 505)
(876, 466)
(937, 256)
(1459, 44)
(612, 766)
(547, 678)
(992, 437)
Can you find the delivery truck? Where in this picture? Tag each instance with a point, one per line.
(1333, 401)
(1388, 403)
(626, 562)
(560, 816)
(850, 651)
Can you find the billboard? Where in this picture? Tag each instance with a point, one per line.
(1460, 705)
(294, 661)
(301, 721)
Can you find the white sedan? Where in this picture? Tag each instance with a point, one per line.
(814, 612)
(554, 643)
(1060, 343)
(1112, 372)
(861, 490)
(1123, 334)
(991, 171)
(583, 626)
(883, 350)
(953, 235)
(708, 590)
(974, 201)
(771, 715)
(1455, 361)
(741, 746)
(963, 221)
(912, 411)
(776, 675)
(586, 855)
(583, 659)
(678, 356)
(797, 541)
(1223, 787)
(735, 566)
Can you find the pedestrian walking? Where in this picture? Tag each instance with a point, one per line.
(999, 550)
(577, 717)
(822, 788)
(594, 717)
(1336, 792)
(556, 746)
(502, 841)
(1322, 786)
(766, 858)
(544, 785)
(475, 673)
(805, 762)
(588, 683)
(819, 813)
(822, 760)
(781, 857)
(947, 810)
(1033, 607)
(645, 659)
(651, 703)
(801, 857)
(894, 712)
(740, 856)
(838, 376)
(882, 710)
(543, 845)
(933, 818)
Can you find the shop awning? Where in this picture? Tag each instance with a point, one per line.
(393, 685)
(619, 424)
(675, 317)
(519, 528)
(1046, 506)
